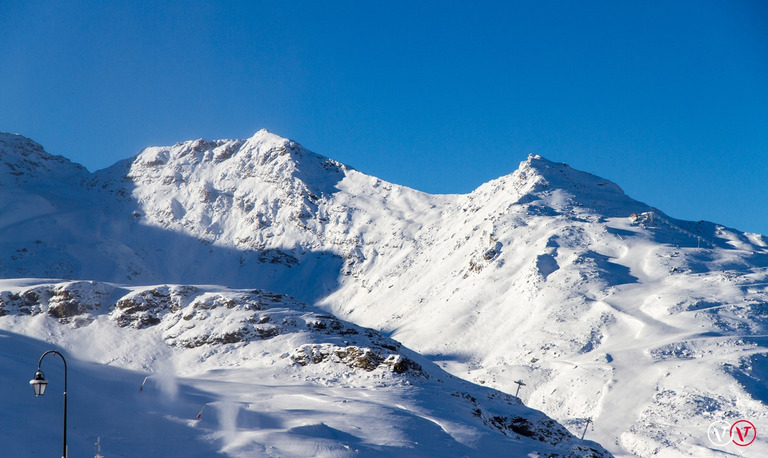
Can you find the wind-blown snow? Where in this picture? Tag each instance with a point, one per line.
(604, 306)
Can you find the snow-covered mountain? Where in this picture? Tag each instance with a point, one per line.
(606, 308)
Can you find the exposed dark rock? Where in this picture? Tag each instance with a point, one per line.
(355, 357)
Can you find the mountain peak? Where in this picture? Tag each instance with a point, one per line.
(266, 138)
(555, 185)
(17, 140)
(539, 178)
(560, 174)
(23, 160)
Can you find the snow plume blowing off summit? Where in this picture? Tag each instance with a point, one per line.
(606, 308)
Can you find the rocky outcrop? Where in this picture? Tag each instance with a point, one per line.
(356, 358)
(71, 302)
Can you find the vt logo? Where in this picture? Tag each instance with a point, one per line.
(743, 433)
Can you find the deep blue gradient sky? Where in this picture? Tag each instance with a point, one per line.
(667, 99)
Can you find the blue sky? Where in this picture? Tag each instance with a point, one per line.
(667, 99)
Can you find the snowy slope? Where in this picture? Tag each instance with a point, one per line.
(607, 308)
(650, 326)
(269, 377)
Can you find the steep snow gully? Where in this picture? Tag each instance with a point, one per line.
(636, 329)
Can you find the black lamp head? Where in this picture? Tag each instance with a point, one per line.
(39, 383)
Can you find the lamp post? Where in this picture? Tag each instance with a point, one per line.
(39, 383)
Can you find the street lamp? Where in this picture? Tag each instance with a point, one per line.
(39, 383)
